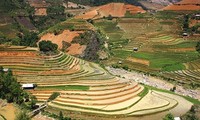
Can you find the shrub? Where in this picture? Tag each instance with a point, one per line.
(23, 115)
(47, 46)
(168, 117)
(53, 96)
(125, 67)
(198, 47)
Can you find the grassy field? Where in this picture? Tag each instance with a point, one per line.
(166, 61)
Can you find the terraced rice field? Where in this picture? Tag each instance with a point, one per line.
(160, 51)
(83, 86)
(190, 76)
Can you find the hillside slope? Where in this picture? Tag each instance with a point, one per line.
(113, 9)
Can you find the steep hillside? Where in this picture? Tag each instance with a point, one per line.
(86, 88)
(184, 5)
(111, 9)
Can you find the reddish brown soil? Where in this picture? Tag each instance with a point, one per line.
(189, 2)
(8, 111)
(76, 49)
(12, 53)
(182, 7)
(140, 61)
(40, 11)
(193, 22)
(66, 36)
(113, 9)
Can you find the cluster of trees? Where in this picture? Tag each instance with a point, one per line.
(28, 39)
(186, 28)
(55, 14)
(94, 42)
(98, 2)
(11, 90)
(56, 10)
(186, 22)
(192, 114)
(61, 117)
(198, 47)
(47, 46)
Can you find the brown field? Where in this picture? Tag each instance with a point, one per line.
(114, 9)
(12, 53)
(193, 22)
(76, 49)
(194, 2)
(66, 36)
(8, 111)
(182, 7)
(140, 61)
(40, 11)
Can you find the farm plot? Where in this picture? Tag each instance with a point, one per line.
(84, 86)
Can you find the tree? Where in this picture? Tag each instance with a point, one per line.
(23, 115)
(29, 39)
(168, 117)
(32, 102)
(110, 17)
(56, 10)
(47, 46)
(53, 96)
(198, 47)
(10, 88)
(61, 116)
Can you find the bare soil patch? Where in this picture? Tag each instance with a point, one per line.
(40, 11)
(76, 49)
(137, 60)
(113, 9)
(66, 36)
(182, 7)
(12, 53)
(8, 111)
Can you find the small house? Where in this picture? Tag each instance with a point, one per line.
(177, 118)
(197, 16)
(5, 69)
(28, 86)
(135, 49)
(185, 34)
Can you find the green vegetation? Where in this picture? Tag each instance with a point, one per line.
(168, 117)
(29, 39)
(59, 116)
(192, 114)
(65, 87)
(168, 61)
(144, 92)
(47, 46)
(23, 115)
(192, 100)
(10, 88)
(2, 117)
(55, 10)
(53, 96)
(198, 47)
